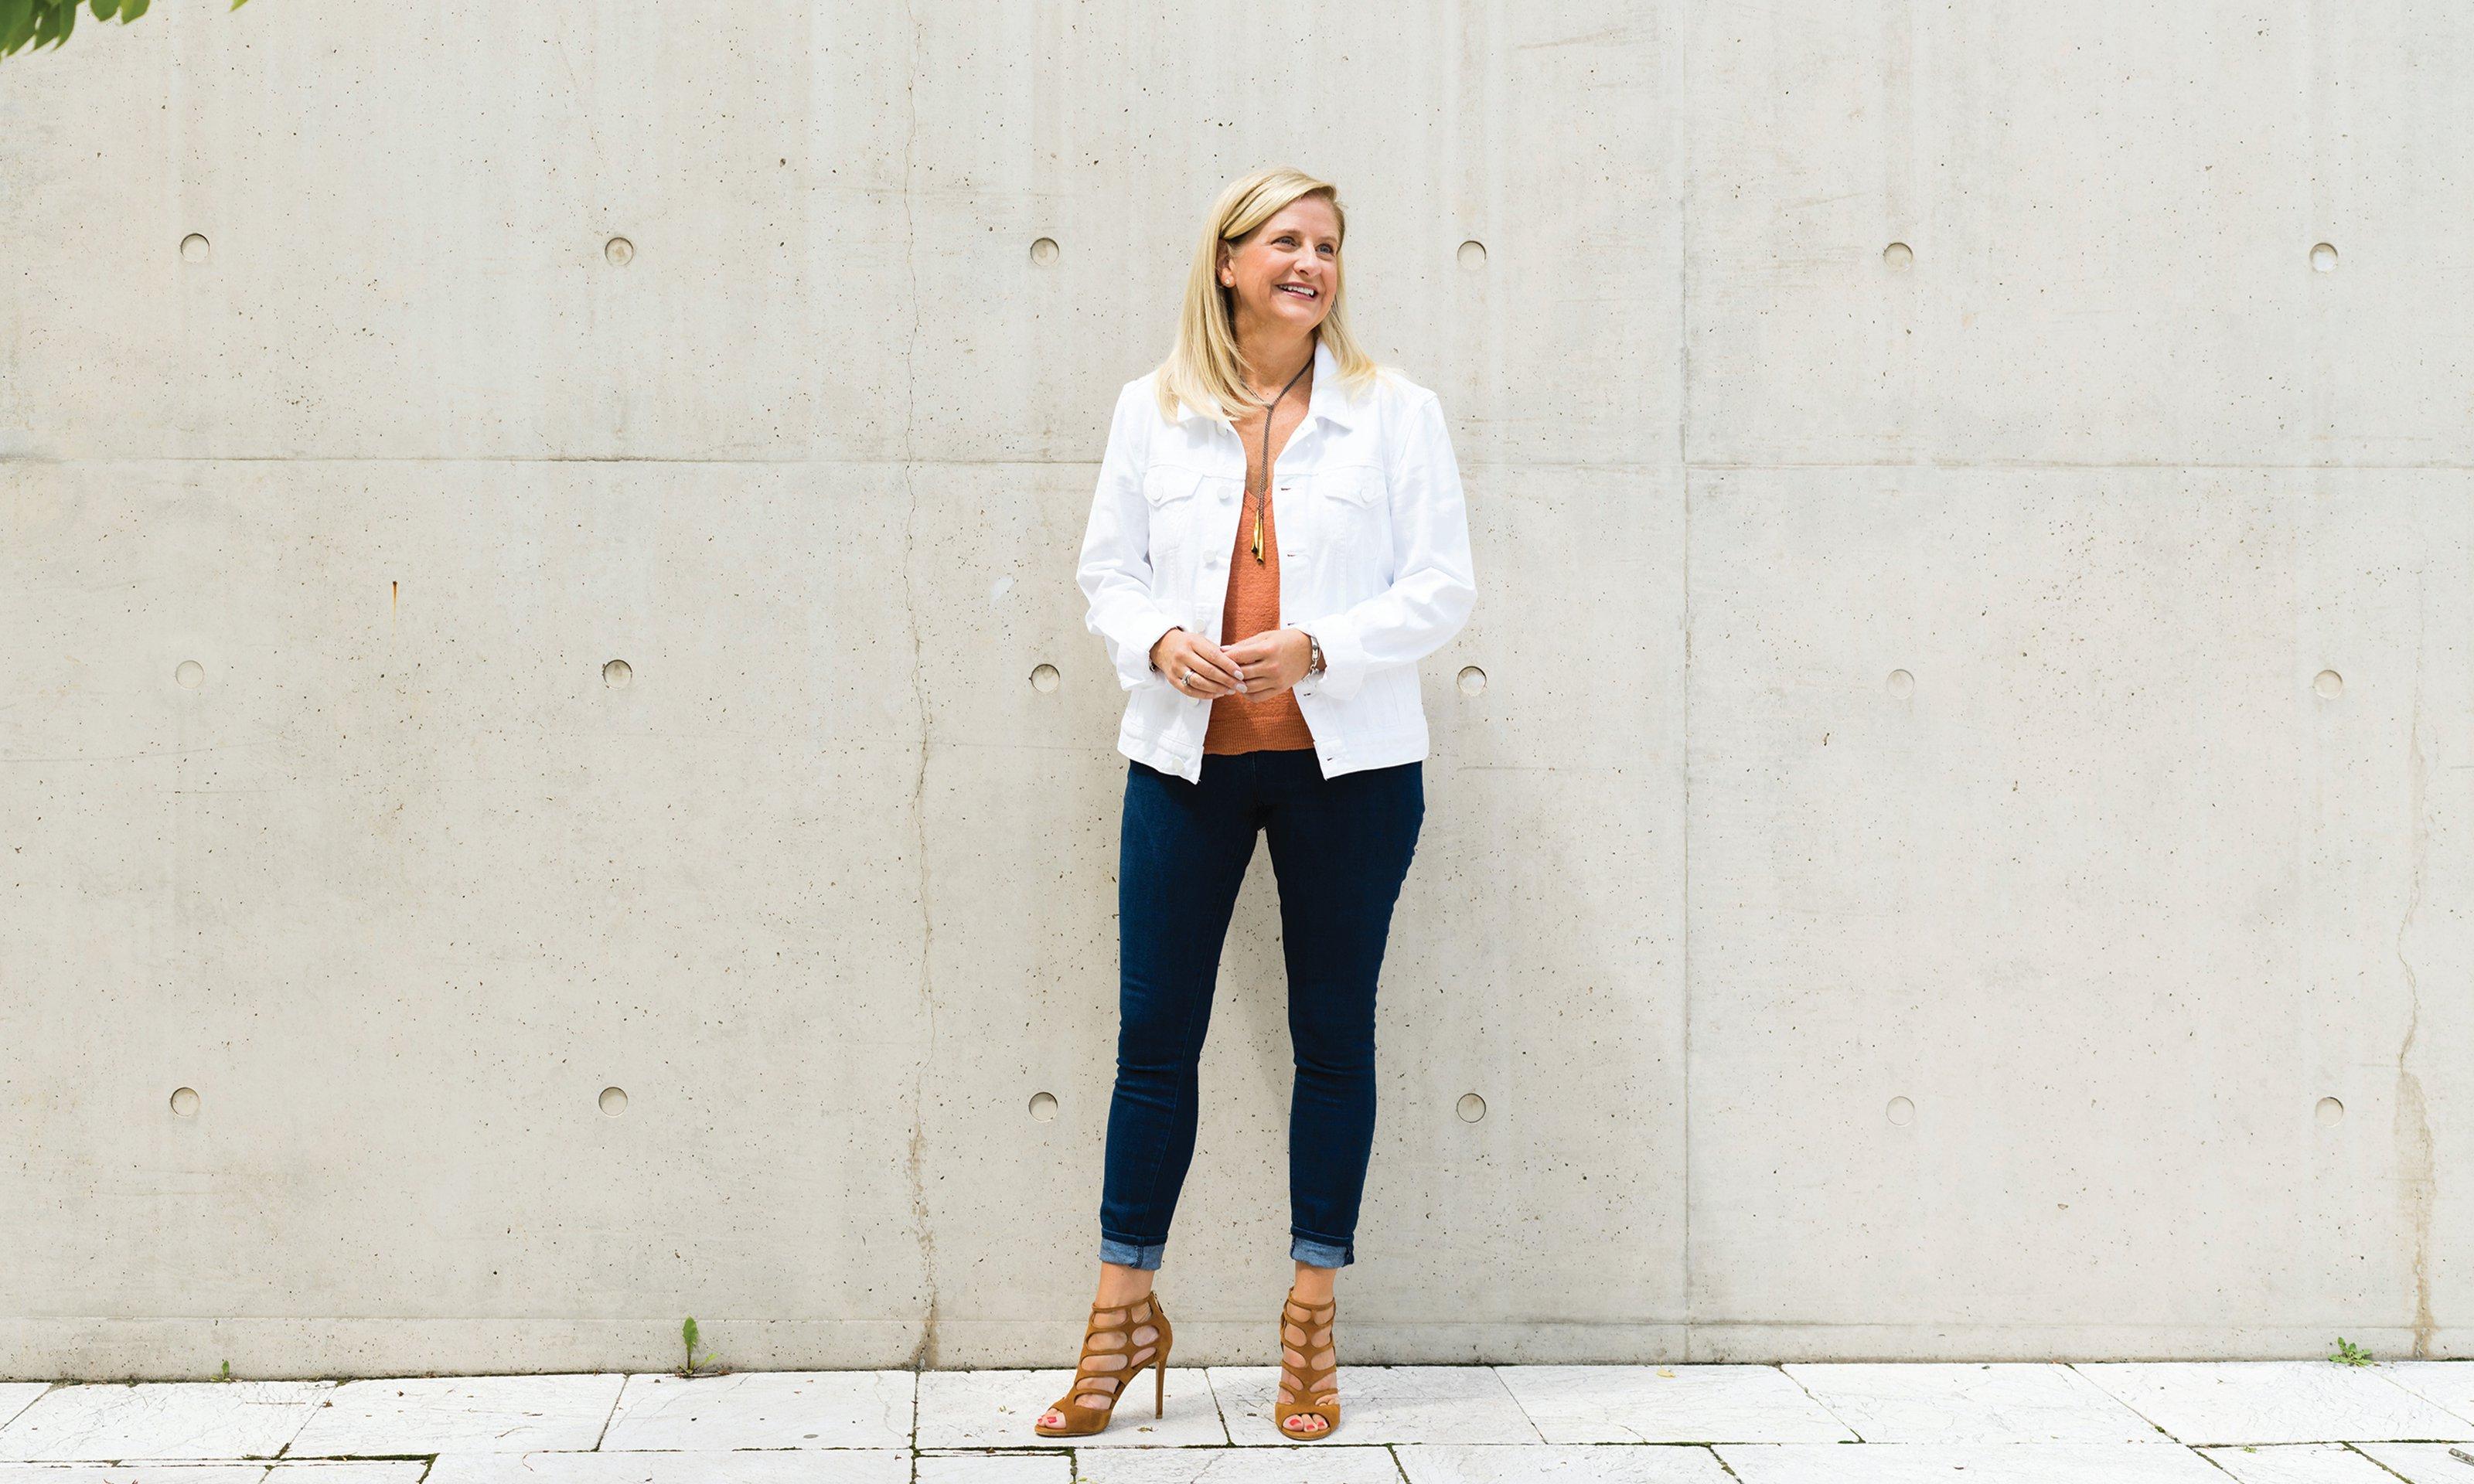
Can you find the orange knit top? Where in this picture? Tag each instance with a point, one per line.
(1254, 724)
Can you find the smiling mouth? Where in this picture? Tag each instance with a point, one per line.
(1296, 290)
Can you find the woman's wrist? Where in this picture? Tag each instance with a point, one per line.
(1155, 644)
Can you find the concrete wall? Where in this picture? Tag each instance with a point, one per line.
(1962, 848)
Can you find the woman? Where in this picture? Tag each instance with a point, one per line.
(1278, 538)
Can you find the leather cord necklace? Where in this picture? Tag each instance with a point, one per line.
(1266, 493)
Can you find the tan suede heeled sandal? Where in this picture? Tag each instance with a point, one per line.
(1114, 1354)
(1309, 1368)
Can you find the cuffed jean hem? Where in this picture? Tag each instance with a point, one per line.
(1133, 1255)
(1322, 1255)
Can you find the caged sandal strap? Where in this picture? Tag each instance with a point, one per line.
(1309, 1368)
(1117, 1343)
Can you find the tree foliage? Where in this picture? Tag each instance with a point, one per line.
(42, 22)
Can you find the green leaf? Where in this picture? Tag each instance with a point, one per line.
(104, 9)
(16, 23)
(131, 10)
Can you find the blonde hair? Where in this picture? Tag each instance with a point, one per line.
(1203, 368)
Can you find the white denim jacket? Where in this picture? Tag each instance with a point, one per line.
(1374, 560)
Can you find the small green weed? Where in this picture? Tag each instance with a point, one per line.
(688, 1332)
(2349, 1354)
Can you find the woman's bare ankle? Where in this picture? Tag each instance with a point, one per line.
(1120, 1284)
(1313, 1284)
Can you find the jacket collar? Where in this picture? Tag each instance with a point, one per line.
(1329, 400)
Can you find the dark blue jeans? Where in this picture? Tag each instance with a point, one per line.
(1339, 850)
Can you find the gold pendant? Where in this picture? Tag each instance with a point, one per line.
(1258, 536)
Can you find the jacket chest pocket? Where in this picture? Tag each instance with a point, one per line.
(1170, 493)
(1352, 515)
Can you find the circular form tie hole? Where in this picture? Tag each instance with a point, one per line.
(185, 1102)
(1043, 678)
(1902, 1112)
(1043, 1107)
(1471, 1107)
(614, 1101)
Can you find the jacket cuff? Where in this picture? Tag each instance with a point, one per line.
(1343, 660)
(1130, 638)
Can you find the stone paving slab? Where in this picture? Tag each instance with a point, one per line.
(1337, 1463)
(2419, 1463)
(2300, 1463)
(1968, 1463)
(2448, 1384)
(995, 1469)
(826, 1465)
(138, 1474)
(1555, 1463)
(461, 1414)
(763, 1410)
(401, 1472)
(1383, 1405)
(17, 1396)
(2275, 1402)
(979, 1409)
(1705, 1403)
(155, 1420)
(1972, 1402)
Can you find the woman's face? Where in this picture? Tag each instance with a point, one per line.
(1299, 249)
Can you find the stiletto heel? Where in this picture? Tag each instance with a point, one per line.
(1114, 1354)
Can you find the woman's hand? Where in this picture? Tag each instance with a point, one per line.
(1271, 661)
(1195, 667)
(1259, 664)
